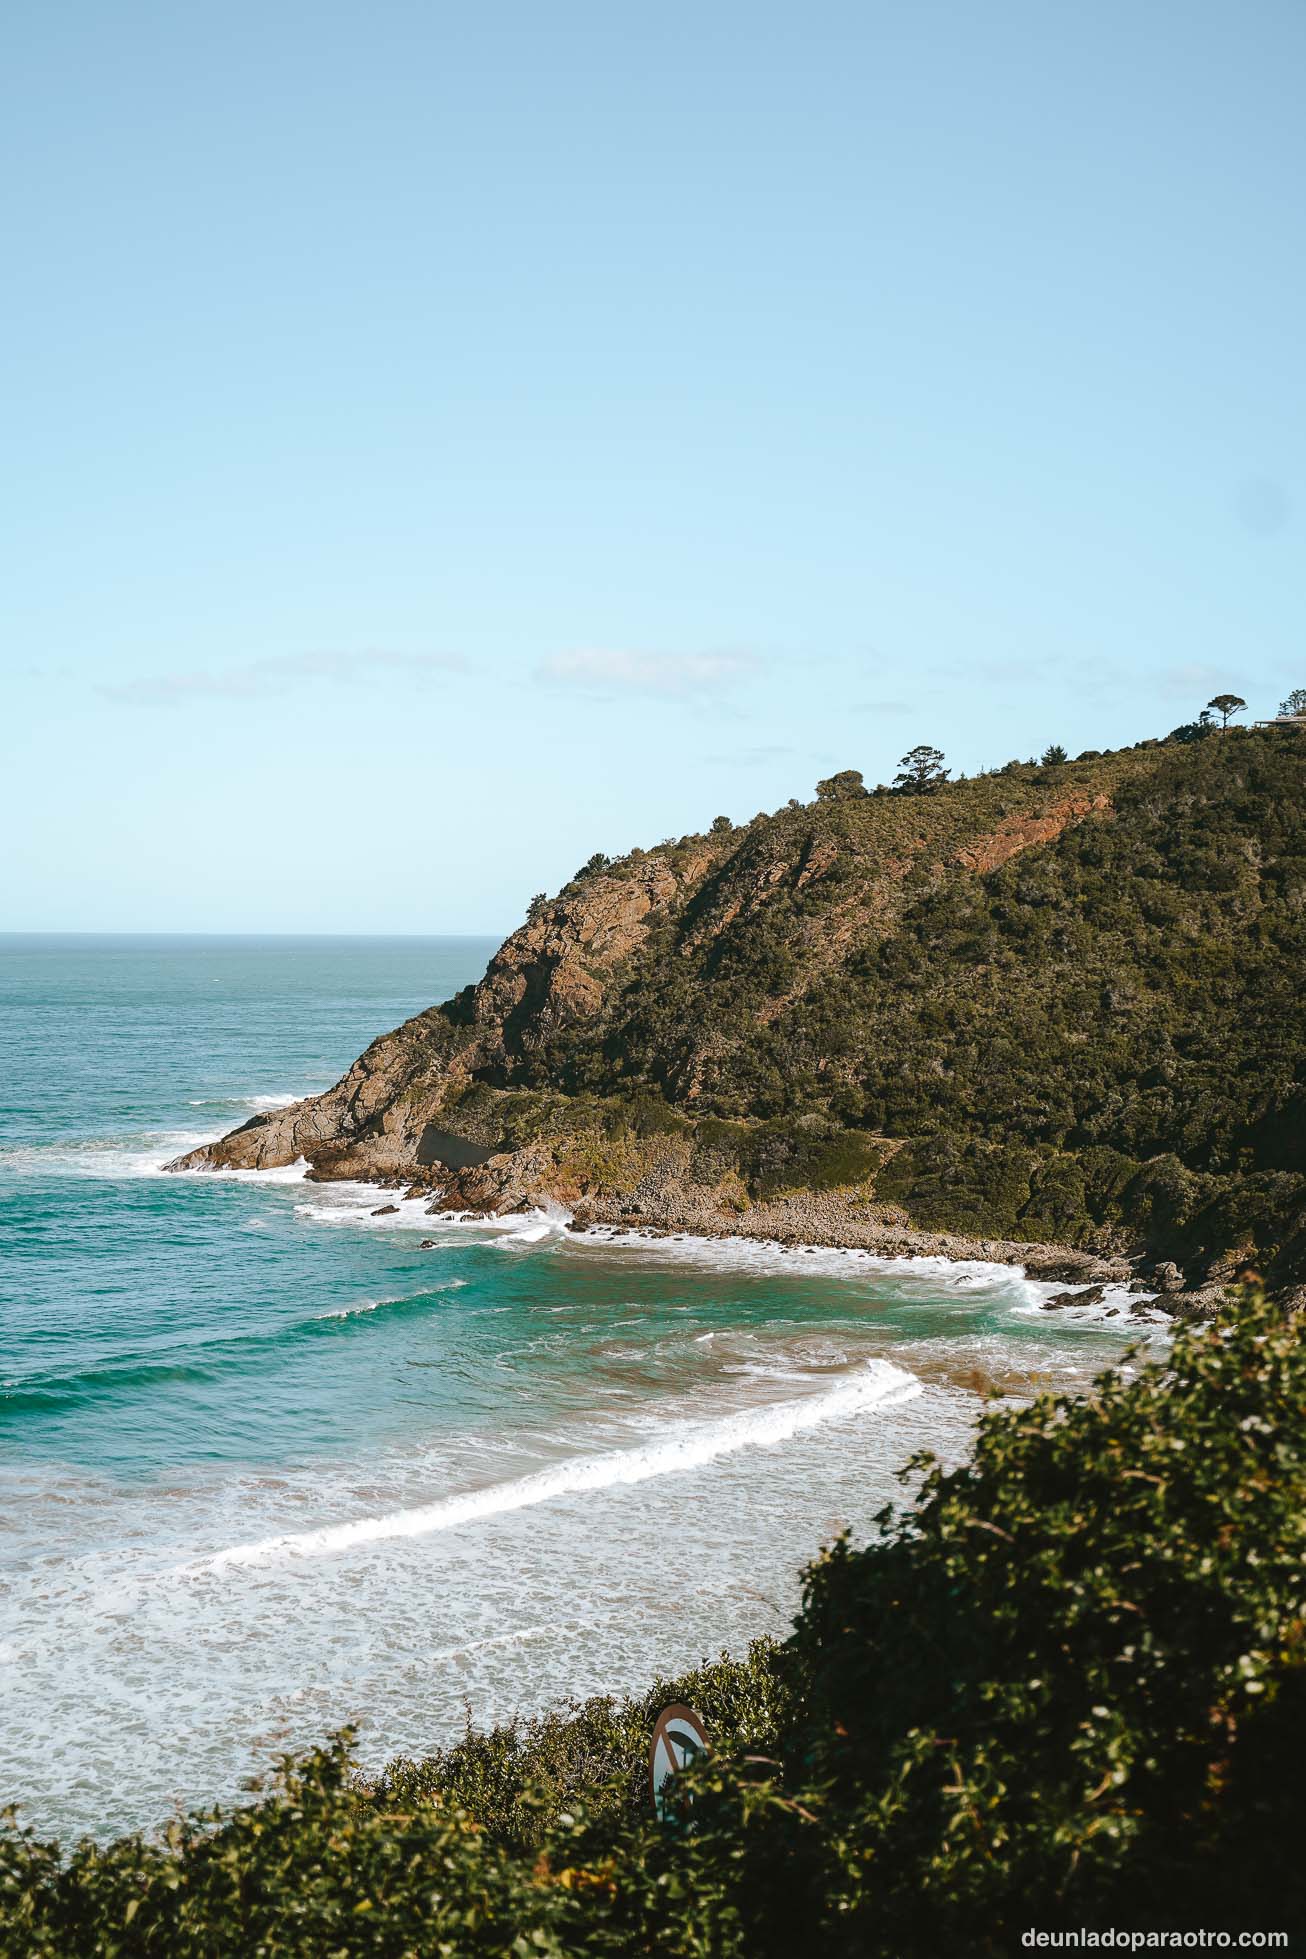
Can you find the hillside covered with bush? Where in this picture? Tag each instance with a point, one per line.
(1056, 1003)
(1064, 1687)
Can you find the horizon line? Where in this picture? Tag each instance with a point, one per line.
(119, 932)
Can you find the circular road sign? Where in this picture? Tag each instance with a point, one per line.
(678, 1739)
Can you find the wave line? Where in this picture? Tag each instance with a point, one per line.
(878, 1384)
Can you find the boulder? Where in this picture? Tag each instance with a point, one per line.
(1092, 1296)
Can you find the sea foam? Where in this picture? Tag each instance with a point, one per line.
(767, 1257)
(878, 1384)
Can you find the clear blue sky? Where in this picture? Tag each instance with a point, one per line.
(441, 441)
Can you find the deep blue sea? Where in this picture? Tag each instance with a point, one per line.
(267, 1466)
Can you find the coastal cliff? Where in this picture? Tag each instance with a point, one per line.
(1050, 1006)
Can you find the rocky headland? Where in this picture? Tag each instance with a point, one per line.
(1048, 1016)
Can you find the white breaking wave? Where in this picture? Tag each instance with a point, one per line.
(1005, 1284)
(1128, 1311)
(261, 1104)
(142, 1155)
(769, 1256)
(284, 1173)
(120, 1157)
(378, 1305)
(878, 1384)
(378, 1209)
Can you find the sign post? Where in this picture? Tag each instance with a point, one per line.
(679, 1738)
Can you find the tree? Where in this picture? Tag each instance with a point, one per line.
(841, 788)
(921, 770)
(1225, 705)
(1053, 753)
(721, 825)
(1194, 730)
(1295, 703)
(537, 906)
(598, 862)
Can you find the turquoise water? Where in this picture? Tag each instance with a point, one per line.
(267, 1465)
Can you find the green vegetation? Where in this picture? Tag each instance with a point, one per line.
(1058, 1002)
(840, 788)
(1066, 1686)
(921, 770)
(518, 1780)
(1226, 704)
(1195, 730)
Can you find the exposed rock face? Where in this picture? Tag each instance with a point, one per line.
(369, 1125)
(1093, 1296)
(384, 1118)
(1019, 833)
(559, 968)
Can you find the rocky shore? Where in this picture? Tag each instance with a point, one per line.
(513, 1184)
(656, 1187)
(823, 1220)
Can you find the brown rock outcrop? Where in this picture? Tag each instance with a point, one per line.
(1019, 833)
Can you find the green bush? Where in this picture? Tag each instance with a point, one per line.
(1070, 1686)
(519, 1778)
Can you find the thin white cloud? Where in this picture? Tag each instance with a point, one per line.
(273, 676)
(611, 670)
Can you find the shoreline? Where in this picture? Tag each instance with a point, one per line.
(819, 1221)
(806, 1222)
(789, 1223)
(829, 1220)
(801, 1221)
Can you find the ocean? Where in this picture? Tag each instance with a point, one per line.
(268, 1465)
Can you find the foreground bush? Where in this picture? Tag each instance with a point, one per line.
(517, 1779)
(1067, 1687)
(1070, 1685)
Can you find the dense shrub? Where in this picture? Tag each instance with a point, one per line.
(840, 787)
(519, 1778)
(1070, 1686)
